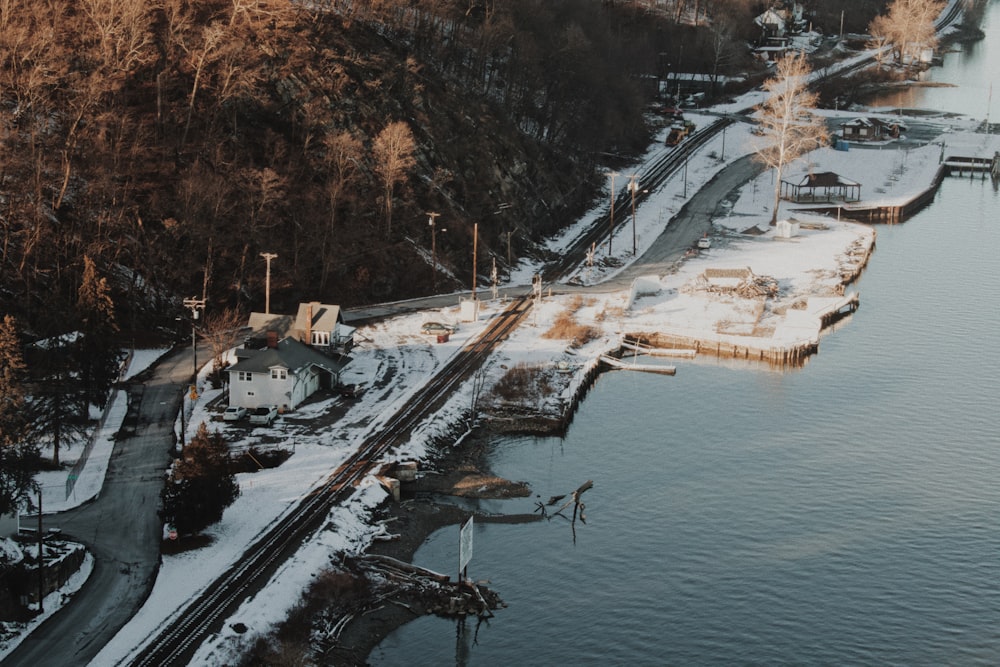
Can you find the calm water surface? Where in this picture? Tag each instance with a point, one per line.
(844, 513)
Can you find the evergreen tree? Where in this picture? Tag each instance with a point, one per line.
(18, 458)
(201, 484)
(98, 353)
(57, 400)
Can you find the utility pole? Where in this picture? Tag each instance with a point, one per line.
(430, 221)
(633, 185)
(475, 249)
(611, 234)
(194, 304)
(685, 173)
(268, 256)
(41, 558)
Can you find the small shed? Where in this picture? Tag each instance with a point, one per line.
(824, 186)
(871, 129)
(727, 279)
(786, 229)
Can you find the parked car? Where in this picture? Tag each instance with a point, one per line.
(266, 414)
(438, 328)
(704, 242)
(351, 390)
(234, 413)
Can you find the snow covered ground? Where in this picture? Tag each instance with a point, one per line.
(806, 265)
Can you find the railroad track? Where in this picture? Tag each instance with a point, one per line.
(176, 643)
(652, 178)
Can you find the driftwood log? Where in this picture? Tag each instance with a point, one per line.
(574, 499)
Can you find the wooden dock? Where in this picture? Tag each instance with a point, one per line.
(639, 347)
(622, 364)
(962, 165)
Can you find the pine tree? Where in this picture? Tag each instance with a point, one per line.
(18, 459)
(201, 484)
(98, 353)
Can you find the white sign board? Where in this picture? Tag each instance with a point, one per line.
(465, 545)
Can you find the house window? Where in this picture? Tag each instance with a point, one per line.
(244, 376)
(279, 374)
(320, 337)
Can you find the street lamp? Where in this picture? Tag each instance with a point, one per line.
(633, 185)
(194, 304)
(430, 221)
(611, 234)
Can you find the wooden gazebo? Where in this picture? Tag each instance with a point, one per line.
(824, 186)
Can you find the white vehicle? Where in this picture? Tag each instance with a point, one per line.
(704, 242)
(266, 414)
(234, 413)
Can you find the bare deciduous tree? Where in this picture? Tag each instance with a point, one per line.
(909, 26)
(342, 155)
(788, 127)
(393, 152)
(212, 36)
(221, 330)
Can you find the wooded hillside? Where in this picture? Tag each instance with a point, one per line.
(173, 142)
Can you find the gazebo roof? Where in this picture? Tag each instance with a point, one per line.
(826, 179)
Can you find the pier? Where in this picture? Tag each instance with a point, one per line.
(961, 165)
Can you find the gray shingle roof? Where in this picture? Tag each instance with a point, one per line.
(290, 354)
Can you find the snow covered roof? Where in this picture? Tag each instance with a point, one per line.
(825, 179)
(288, 353)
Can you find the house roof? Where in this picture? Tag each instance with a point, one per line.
(873, 122)
(825, 179)
(290, 354)
(263, 322)
(324, 317)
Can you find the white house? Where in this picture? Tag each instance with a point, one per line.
(283, 373)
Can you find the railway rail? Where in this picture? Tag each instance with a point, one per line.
(179, 639)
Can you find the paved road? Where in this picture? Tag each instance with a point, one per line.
(120, 528)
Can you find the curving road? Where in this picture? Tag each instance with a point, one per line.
(120, 528)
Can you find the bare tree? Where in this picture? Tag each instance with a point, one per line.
(393, 152)
(788, 127)
(342, 152)
(909, 26)
(222, 331)
(212, 36)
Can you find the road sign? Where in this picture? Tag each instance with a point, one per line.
(465, 545)
(194, 392)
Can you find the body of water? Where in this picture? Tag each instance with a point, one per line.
(844, 513)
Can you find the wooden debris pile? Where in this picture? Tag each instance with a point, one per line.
(424, 591)
(738, 282)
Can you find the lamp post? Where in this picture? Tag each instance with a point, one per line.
(611, 234)
(633, 185)
(430, 221)
(268, 256)
(194, 304)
